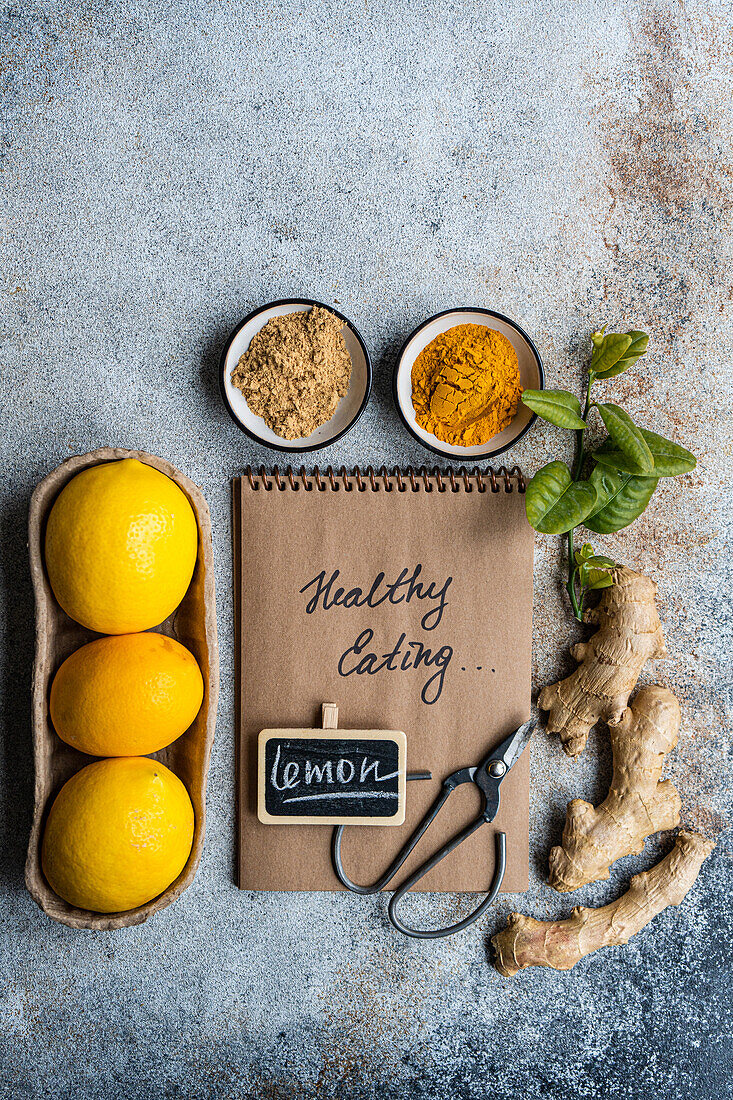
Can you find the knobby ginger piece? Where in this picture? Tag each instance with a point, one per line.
(639, 802)
(561, 944)
(629, 635)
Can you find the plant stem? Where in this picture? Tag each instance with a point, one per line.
(580, 435)
(577, 471)
(571, 576)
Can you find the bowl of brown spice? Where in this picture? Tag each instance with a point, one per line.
(459, 380)
(295, 375)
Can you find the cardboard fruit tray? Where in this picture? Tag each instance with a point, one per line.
(193, 624)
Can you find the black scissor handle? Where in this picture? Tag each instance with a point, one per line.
(401, 856)
(449, 930)
(384, 879)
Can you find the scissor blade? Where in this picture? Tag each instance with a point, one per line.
(511, 749)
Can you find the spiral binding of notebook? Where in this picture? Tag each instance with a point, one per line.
(409, 478)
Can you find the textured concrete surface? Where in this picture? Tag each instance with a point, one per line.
(167, 167)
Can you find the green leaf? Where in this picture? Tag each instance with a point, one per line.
(624, 503)
(598, 577)
(608, 351)
(669, 458)
(593, 568)
(554, 502)
(560, 407)
(616, 460)
(603, 581)
(584, 553)
(635, 350)
(627, 437)
(590, 577)
(606, 483)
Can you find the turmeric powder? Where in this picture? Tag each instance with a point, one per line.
(465, 385)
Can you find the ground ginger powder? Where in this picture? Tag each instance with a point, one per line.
(295, 371)
(465, 385)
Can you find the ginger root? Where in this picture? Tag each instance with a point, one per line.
(629, 635)
(560, 944)
(639, 802)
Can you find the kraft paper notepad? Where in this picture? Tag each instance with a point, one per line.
(406, 600)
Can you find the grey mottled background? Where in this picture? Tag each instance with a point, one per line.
(166, 168)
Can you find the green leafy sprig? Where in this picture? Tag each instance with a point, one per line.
(622, 473)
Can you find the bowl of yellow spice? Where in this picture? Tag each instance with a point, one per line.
(459, 380)
(295, 375)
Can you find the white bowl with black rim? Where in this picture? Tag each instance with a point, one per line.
(350, 407)
(531, 376)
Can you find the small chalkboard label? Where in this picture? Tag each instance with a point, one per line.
(332, 777)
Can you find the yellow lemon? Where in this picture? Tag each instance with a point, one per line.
(121, 545)
(119, 832)
(127, 695)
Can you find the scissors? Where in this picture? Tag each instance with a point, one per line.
(487, 776)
